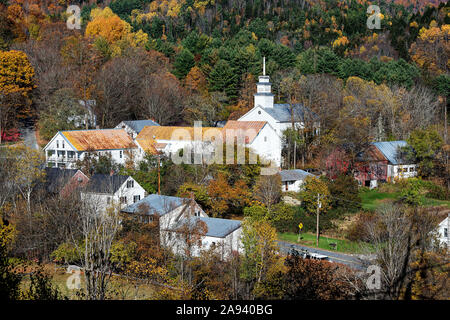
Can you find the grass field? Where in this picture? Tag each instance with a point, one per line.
(309, 239)
(118, 289)
(372, 199)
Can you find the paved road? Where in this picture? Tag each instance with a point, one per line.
(348, 259)
(29, 137)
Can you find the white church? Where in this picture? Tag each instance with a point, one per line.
(278, 116)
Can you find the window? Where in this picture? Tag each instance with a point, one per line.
(197, 213)
(445, 232)
(130, 184)
(62, 144)
(108, 200)
(123, 200)
(136, 198)
(265, 139)
(411, 169)
(70, 154)
(259, 112)
(57, 143)
(120, 154)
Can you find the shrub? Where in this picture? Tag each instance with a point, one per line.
(357, 231)
(438, 192)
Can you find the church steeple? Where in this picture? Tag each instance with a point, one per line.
(263, 95)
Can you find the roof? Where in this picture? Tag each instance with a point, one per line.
(216, 227)
(251, 127)
(294, 175)
(282, 112)
(390, 150)
(105, 183)
(157, 204)
(99, 139)
(138, 125)
(57, 178)
(371, 154)
(150, 134)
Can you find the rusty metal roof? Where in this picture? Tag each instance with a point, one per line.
(100, 139)
(149, 136)
(250, 128)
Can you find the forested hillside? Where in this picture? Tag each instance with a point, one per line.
(180, 61)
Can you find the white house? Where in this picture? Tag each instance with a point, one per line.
(173, 214)
(134, 127)
(66, 147)
(106, 191)
(170, 139)
(443, 232)
(222, 235)
(292, 180)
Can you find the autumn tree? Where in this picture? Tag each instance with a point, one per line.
(9, 280)
(83, 60)
(195, 81)
(27, 170)
(316, 199)
(315, 280)
(431, 48)
(426, 144)
(260, 260)
(63, 113)
(116, 32)
(16, 84)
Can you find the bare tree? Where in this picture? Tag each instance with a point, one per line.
(98, 228)
(268, 190)
(397, 236)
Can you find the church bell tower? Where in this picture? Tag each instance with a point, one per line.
(263, 95)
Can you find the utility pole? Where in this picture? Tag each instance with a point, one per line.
(295, 153)
(159, 174)
(317, 225)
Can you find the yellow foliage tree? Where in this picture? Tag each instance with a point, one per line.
(117, 32)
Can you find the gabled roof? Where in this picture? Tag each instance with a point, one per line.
(218, 228)
(56, 178)
(149, 135)
(99, 139)
(294, 175)
(105, 183)
(282, 112)
(251, 127)
(156, 204)
(138, 125)
(390, 149)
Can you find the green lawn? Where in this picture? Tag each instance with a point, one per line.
(309, 239)
(372, 199)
